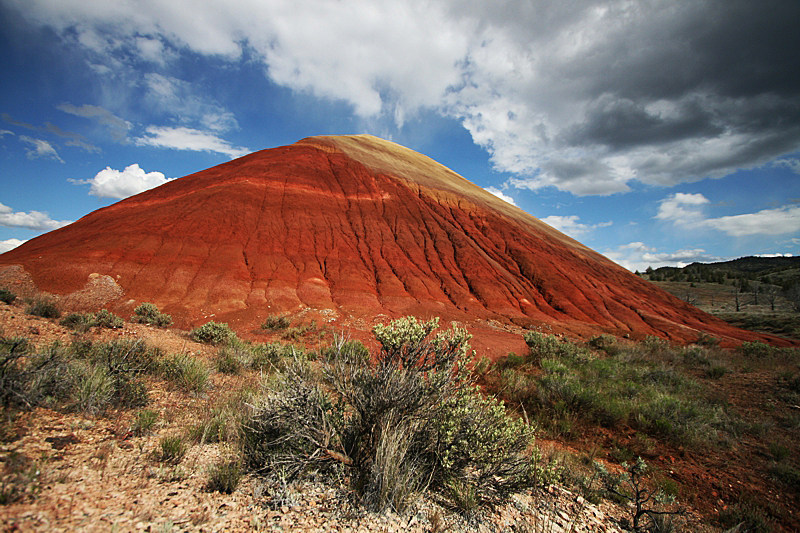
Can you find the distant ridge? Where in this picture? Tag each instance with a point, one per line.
(755, 264)
(353, 228)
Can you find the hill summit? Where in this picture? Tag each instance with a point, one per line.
(348, 227)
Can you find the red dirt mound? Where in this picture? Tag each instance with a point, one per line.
(351, 227)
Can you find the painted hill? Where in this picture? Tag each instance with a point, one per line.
(352, 227)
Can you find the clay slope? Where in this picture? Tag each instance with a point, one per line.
(355, 225)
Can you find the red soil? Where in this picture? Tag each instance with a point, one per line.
(359, 226)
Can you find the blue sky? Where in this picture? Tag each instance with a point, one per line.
(657, 133)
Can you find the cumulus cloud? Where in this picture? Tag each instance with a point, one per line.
(33, 220)
(111, 183)
(9, 244)
(778, 221)
(189, 139)
(570, 225)
(687, 210)
(682, 208)
(40, 149)
(639, 256)
(500, 194)
(582, 96)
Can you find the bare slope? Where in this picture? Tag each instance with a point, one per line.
(357, 225)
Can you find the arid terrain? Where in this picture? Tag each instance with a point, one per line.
(94, 472)
(147, 349)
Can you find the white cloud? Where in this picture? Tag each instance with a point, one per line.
(9, 244)
(111, 183)
(571, 226)
(639, 256)
(778, 221)
(778, 254)
(189, 139)
(34, 220)
(41, 149)
(179, 98)
(582, 96)
(500, 194)
(567, 224)
(153, 50)
(6, 132)
(117, 127)
(682, 208)
(791, 164)
(686, 210)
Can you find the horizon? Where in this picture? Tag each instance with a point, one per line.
(652, 138)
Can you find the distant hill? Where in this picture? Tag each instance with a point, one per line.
(761, 265)
(347, 228)
(780, 271)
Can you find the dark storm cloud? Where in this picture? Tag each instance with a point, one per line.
(583, 95)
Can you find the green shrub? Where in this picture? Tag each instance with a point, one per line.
(295, 333)
(231, 358)
(512, 360)
(653, 345)
(185, 371)
(786, 474)
(704, 339)
(221, 425)
(124, 356)
(171, 449)
(541, 345)
(29, 379)
(144, 422)
(755, 349)
(213, 333)
(80, 322)
(778, 451)
(83, 376)
(147, 313)
(627, 389)
(344, 348)
(94, 388)
(224, 475)
(717, 371)
(7, 296)
(110, 376)
(106, 319)
(45, 308)
(272, 356)
(276, 322)
(130, 392)
(408, 420)
(745, 516)
(605, 342)
(226, 361)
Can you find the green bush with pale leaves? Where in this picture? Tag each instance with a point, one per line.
(407, 420)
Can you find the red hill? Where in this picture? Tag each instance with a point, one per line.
(351, 227)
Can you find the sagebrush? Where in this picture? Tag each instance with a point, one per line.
(409, 420)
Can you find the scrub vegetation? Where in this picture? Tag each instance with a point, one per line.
(420, 416)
